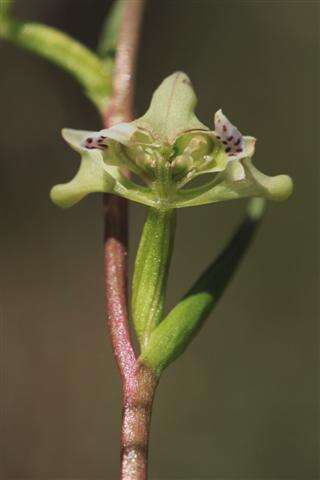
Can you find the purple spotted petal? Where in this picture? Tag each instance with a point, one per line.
(121, 133)
(95, 141)
(229, 135)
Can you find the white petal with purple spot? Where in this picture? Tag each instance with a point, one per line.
(122, 132)
(229, 135)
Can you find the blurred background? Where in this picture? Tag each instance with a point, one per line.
(242, 403)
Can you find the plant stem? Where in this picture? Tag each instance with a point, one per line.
(138, 381)
(138, 394)
(121, 106)
(115, 252)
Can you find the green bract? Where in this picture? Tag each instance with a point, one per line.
(168, 147)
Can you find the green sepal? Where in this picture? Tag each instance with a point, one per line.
(226, 187)
(151, 272)
(91, 177)
(175, 332)
(171, 111)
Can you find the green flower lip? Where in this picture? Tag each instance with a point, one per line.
(168, 147)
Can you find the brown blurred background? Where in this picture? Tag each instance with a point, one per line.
(242, 402)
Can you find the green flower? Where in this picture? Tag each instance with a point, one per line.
(167, 148)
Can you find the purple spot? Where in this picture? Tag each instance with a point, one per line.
(225, 143)
(89, 140)
(230, 138)
(218, 137)
(224, 128)
(239, 149)
(238, 141)
(227, 149)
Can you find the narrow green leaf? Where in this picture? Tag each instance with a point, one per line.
(174, 334)
(64, 51)
(151, 272)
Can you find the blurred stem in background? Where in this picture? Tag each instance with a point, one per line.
(108, 79)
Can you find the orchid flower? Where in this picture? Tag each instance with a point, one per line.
(168, 147)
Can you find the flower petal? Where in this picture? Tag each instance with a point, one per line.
(121, 133)
(235, 144)
(94, 142)
(81, 140)
(76, 138)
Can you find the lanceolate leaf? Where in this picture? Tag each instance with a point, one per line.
(177, 330)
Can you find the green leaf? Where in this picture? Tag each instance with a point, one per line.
(151, 272)
(171, 111)
(61, 49)
(173, 335)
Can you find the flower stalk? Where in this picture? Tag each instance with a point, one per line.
(151, 271)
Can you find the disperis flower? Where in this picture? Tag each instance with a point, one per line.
(167, 148)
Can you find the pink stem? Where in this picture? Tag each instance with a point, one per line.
(121, 109)
(138, 381)
(137, 407)
(115, 252)
(115, 208)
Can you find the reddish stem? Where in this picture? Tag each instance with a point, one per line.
(138, 396)
(115, 252)
(121, 109)
(138, 382)
(115, 208)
